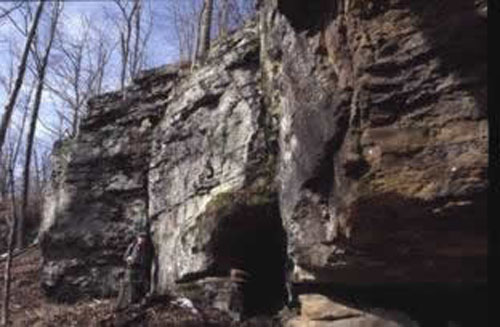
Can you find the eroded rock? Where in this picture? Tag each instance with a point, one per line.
(361, 124)
(383, 138)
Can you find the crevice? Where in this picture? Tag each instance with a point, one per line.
(310, 16)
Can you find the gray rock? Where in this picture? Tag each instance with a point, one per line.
(98, 192)
(362, 125)
(161, 157)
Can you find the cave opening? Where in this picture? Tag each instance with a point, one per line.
(251, 238)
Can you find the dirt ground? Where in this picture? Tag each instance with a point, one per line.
(29, 307)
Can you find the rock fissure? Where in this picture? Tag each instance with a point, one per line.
(333, 142)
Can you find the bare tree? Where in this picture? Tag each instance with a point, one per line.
(70, 70)
(9, 160)
(7, 272)
(5, 12)
(41, 66)
(205, 28)
(103, 54)
(196, 46)
(6, 83)
(194, 23)
(135, 55)
(224, 18)
(9, 107)
(183, 18)
(125, 25)
(12, 155)
(79, 71)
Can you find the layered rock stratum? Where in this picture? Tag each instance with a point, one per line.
(383, 137)
(348, 136)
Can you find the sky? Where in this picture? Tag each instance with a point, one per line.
(162, 49)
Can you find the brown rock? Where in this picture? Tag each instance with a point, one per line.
(320, 307)
(384, 128)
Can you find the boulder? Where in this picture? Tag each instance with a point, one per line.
(317, 310)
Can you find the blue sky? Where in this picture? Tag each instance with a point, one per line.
(162, 50)
(162, 47)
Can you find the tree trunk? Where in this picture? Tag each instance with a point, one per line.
(123, 75)
(75, 122)
(32, 129)
(10, 248)
(136, 54)
(125, 36)
(206, 25)
(9, 107)
(38, 183)
(224, 18)
(196, 47)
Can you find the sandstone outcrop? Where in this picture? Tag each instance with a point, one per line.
(320, 311)
(99, 190)
(189, 156)
(351, 134)
(383, 138)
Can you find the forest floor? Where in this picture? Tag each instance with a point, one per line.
(29, 307)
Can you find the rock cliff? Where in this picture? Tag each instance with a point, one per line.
(191, 156)
(383, 137)
(349, 135)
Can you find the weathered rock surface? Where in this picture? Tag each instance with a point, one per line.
(383, 137)
(212, 199)
(191, 156)
(99, 190)
(210, 141)
(361, 124)
(320, 311)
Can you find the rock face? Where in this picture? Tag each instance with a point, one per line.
(99, 190)
(351, 133)
(383, 138)
(189, 156)
(211, 141)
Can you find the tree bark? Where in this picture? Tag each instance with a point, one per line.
(125, 36)
(31, 133)
(224, 18)
(206, 25)
(9, 107)
(196, 40)
(10, 248)
(136, 56)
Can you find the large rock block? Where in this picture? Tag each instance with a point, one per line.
(190, 155)
(211, 141)
(383, 137)
(362, 124)
(98, 194)
(320, 307)
(317, 310)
